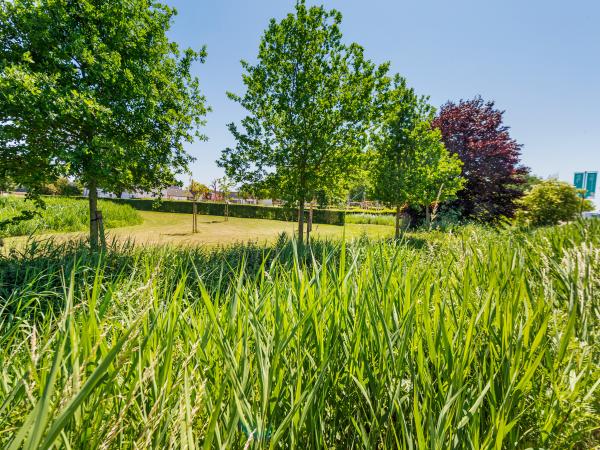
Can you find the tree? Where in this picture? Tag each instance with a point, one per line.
(550, 202)
(440, 179)
(197, 191)
(410, 164)
(61, 186)
(474, 130)
(309, 99)
(225, 186)
(95, 90)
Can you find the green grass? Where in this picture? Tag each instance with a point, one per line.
(63, 214)
(482, 339)
(374, 219)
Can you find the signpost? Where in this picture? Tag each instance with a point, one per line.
(586, 181)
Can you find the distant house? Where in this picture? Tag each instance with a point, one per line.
(176, 193)
(125, 194)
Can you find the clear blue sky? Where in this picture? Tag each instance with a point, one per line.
(538, 59)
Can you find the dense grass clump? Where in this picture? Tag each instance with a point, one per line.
(482, 340)
(375, 219)
(63, 214)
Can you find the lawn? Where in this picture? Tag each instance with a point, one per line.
(171, 228)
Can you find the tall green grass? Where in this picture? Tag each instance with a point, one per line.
(63, 214)
(374, 219)
(483, 340)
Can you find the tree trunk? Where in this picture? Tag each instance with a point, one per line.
(309, 224)
(397, 222)
(93, 202)
(301, 222)
(427, 216)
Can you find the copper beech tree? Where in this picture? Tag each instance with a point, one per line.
(474, 130)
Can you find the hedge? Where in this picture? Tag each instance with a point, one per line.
(328, 216)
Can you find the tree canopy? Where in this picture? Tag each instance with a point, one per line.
(309, 99)
(474, 130)
(411, 165)
(96, 90)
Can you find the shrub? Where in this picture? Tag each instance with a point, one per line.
(328, 216)
(551, 202)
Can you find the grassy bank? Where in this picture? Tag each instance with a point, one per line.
(63, 214)
(481, 340)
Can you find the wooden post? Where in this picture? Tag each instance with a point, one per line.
(309, 224)
(194, 218)
(93, 205)
(100, 223)
(301, 223)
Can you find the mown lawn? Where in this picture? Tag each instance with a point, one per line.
(170, 228)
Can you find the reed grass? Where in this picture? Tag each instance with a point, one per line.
(486, 339)
(63, 214)
(374, 219)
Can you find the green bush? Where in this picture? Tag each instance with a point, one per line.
(63, 214)
(328, 216)
(551, 202)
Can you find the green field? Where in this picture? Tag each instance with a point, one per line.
(159, 228)
(479, 339)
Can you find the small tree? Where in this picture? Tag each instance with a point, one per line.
(309, 99)
(225, 186)
(551, 202)
(410, 163)
(97, 91)
(440, 179)
(197, 191)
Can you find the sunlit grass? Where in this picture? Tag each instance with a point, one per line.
(481, 340)
(63, 214)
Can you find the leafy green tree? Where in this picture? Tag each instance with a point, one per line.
(310, 102)
(198, 190)
(550, 202)
(95, 90)
(411, 165)
(440, 177)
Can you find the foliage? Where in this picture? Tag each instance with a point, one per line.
(97, 91)
(61, 214)
(410, 164)
(310, 101)
(329, 216)
(550, 202)
(63, 187)
(473, 130)
(485, 339)
(198, 190)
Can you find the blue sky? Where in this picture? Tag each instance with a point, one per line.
(538, 59)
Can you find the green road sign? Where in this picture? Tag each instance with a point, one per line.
(578, 179)
(590, 184)
(587, 181)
